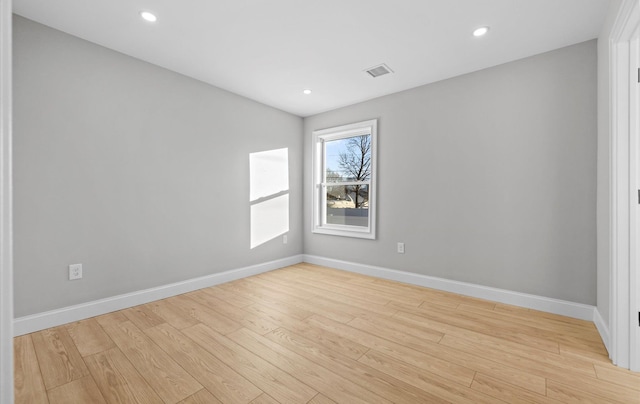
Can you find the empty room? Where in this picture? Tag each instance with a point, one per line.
(249, 201)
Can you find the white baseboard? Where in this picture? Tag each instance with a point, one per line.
(41, 321)
(53, 318)
(550, 305)
(603, 328)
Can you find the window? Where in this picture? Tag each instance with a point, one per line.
(344, 176)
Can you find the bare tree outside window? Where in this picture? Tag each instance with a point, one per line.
(355, 164)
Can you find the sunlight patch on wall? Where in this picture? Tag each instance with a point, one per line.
(269, 219)
(268, 195)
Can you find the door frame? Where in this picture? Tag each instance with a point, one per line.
(6, 231)
(624, 125)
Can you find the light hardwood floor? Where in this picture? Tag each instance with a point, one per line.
(310, 334)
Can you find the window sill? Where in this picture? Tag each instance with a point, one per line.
(345, 231)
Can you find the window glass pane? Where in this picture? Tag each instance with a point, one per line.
(348, 159)
(348, 205)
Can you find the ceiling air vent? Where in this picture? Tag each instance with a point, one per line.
(379, 70)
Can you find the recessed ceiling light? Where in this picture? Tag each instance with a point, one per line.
(147, 16)
(480, 31)
(306, 91)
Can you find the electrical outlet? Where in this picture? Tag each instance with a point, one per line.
(400, 248)
(285, 239)
(75, 271)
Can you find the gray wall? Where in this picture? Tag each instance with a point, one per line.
(488, 178)
(138, 173)
(604, 172)
(142, 175)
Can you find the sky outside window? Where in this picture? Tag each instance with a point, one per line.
(333, 150)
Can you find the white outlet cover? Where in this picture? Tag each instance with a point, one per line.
(75, 271)
(400, 248)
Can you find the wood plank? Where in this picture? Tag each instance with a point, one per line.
(453, 372)
(143, 317)
(513, 360)
(212, 373)
(201, 397)
(523, 311)
(80, 391)
(468, 301)
(233, 299)
(617, 375)
(435, 296)
(319, 378)
(303, 301)
(380, 383)
(558, 324)
(402, 329)
(597, 387)
(367, 289)
(423, 294)
(113, 318)
(313, 300)
(265, 399)
(290, 272)
(351, 291)
(492, 324)
(491, 342)
(458, 319)
(349, 306)
(567, 343)
(332, 341)
(267, 377)
(170, 381)
(336, 302)
(424, 379)
(306, 270)
(274, 284)
(171, 314)
(89, 337)
(432, 353)
(598, 356)
(252, 321)
(508, 392)
(325, 283)
(118, 380)
(59, 359)
(549, 327)
(28, 384)
(321, 399)
(562, 331)
(286, 304)
(361, 337)
(205, 315)
(572, 395)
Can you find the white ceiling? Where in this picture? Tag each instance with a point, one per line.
(270, 50)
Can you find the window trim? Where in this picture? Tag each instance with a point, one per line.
(318, 217)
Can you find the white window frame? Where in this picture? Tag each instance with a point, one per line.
(319, 224)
